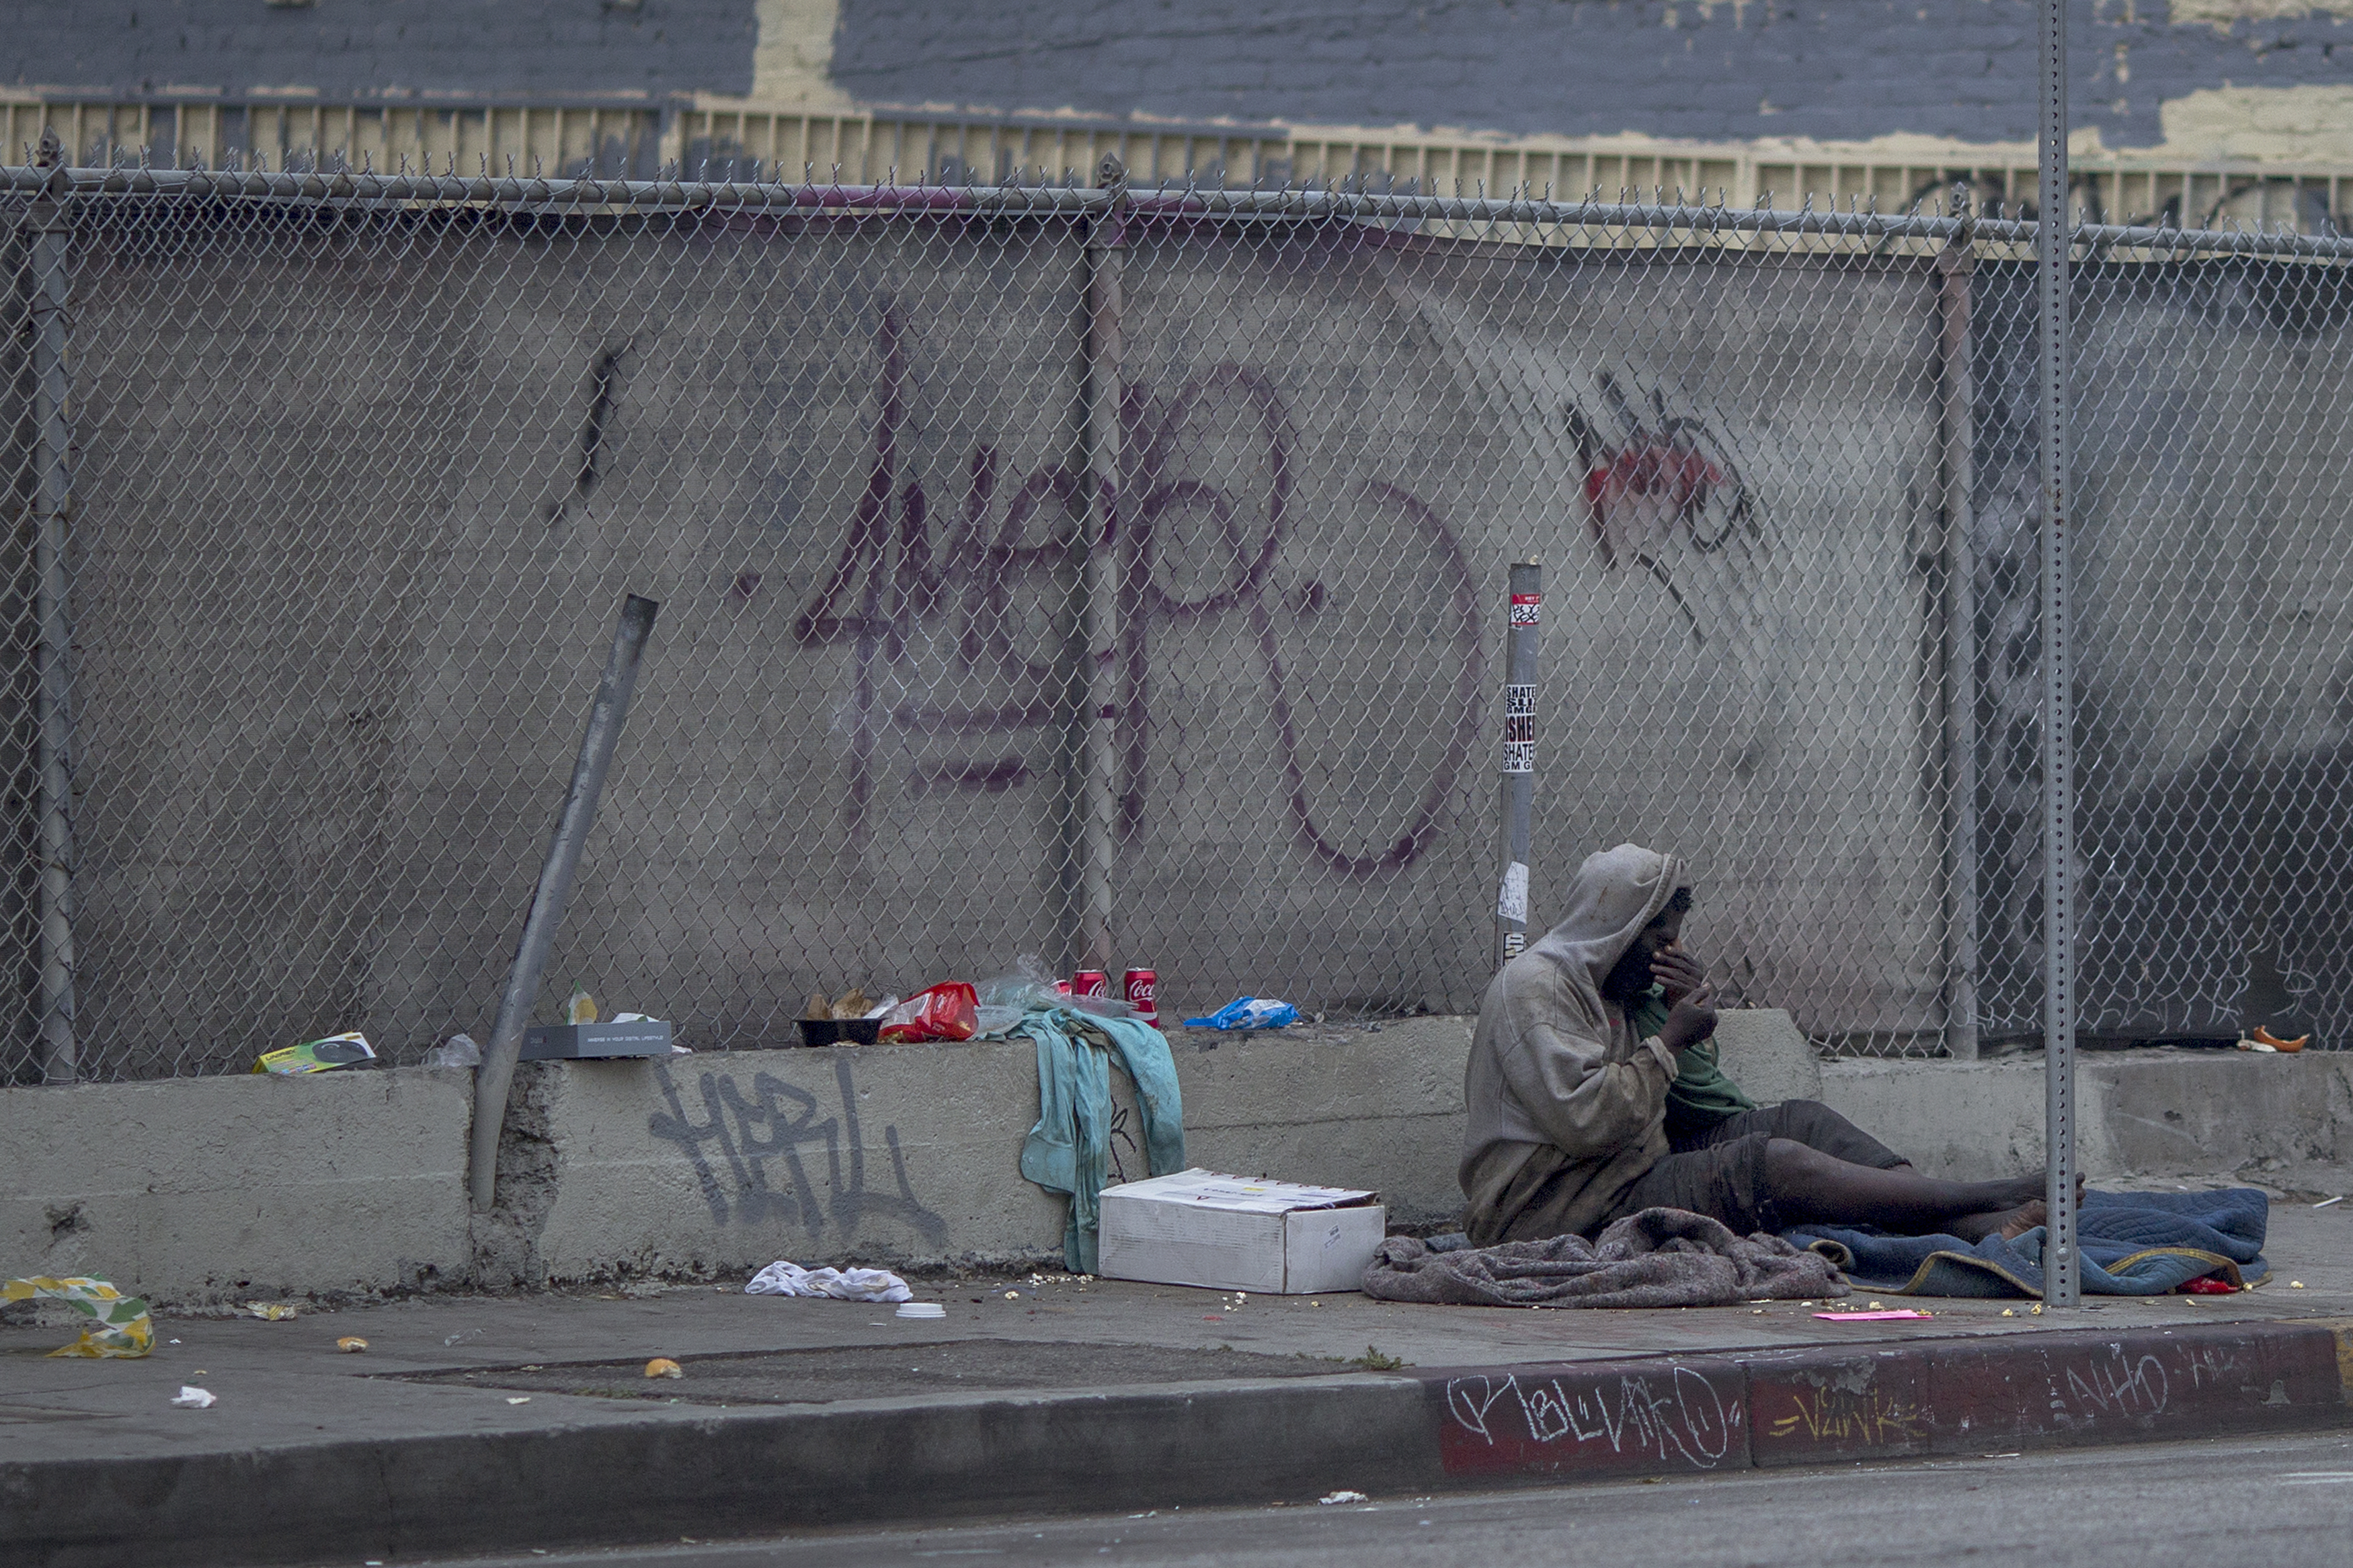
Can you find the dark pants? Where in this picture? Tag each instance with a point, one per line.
(1720, 1171)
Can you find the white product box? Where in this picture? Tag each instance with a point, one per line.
(1230, 1233)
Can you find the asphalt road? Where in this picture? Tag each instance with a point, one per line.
(2219, 1504)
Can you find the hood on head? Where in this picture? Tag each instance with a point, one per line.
(1612, 897)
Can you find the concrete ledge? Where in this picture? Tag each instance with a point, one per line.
(215, 1188)
(910, 1153)
(198, 1190)
(2141, 1112)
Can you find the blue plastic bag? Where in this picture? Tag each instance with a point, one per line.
(1248, 1013)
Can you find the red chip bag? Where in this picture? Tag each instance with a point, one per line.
(945, 1012)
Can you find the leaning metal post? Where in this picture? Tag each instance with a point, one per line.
(2062, 1270)
(1515, 792)
(606, 715)
(49, 234)
(1106, 255)
(1954, 272)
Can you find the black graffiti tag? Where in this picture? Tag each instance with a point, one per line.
(775, 1122)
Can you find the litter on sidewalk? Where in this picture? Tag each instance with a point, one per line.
(948, 1011)
(1248, 1013)
(849, 1019)
(662, 1366)
(1202, 1228)
(348, 1049)
(631, 1035)
(785, 1278)
(120, 1329)
(1069, 1150)
(191, 1397)
(458, 1051)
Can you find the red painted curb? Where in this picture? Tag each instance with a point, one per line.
(1595, 1418)
(2057, 1388)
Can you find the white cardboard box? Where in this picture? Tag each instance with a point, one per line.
(1230, 1232)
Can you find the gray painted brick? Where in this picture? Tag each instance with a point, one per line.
(1864, 69)
(558, 49)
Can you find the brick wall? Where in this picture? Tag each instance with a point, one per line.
(1834, 69)
(570, 50)
(1726, 71)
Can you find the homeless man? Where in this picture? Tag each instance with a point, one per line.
(1594, 1092)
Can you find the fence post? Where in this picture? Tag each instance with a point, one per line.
(1956, 268)
(2062, 1270)
(1516, 788)
(610, 709)
(1107, 258)
(48, 241)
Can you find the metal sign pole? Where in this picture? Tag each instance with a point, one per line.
(1517, 789)
(2062, 1267)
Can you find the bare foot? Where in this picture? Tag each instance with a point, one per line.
(2008, 1224)
(2017, 1190)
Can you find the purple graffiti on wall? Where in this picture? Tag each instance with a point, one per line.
(892, 581)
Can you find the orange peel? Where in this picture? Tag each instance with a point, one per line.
(2263, 1036)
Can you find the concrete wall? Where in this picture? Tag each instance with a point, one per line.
(330, 685)
(1853, 70)
(228, 1188)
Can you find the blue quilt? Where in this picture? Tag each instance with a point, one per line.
(2133, 1244)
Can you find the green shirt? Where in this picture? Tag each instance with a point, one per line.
(1700, 1095)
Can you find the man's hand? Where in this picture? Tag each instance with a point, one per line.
(1691, 1020)
(1677, 971)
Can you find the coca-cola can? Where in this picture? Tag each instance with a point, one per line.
(1091, 983)
(1062, 988)
(1142, 984)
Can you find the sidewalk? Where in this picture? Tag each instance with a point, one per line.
(490, 1422)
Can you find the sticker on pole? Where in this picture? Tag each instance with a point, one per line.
(1512, 903)
(1526, 608)
(1519, 729)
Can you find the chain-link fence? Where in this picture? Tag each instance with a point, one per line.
(1120, 575)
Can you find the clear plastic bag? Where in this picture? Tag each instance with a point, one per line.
(1029, 986)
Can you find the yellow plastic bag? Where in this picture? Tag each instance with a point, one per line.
(119, 1324)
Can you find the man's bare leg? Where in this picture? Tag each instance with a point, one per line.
(1810, 1187)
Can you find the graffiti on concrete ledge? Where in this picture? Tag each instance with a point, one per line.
(757, 1157)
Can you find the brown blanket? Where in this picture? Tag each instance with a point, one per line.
(1659, 1257)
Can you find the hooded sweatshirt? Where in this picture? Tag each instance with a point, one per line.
(1567, 1102)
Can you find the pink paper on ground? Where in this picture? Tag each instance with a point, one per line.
(1873, 1317)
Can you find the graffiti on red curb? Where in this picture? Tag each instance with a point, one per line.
(1671, 1417)
(1772, 1408)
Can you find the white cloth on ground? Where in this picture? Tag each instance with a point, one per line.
(786, 1278)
